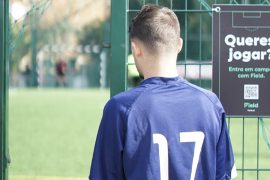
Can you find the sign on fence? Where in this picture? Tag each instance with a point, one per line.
(241, 58)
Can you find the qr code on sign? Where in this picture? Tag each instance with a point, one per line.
(251, 91)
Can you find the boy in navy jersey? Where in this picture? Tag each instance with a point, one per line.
(165, 128)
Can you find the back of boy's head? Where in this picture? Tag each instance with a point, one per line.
(156, 27)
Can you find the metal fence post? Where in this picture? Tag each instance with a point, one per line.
(4, 53)
(33, 26)
(119, 40)
(34, 76)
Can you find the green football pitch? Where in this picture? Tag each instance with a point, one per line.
(52, 134)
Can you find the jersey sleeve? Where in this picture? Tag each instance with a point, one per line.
(108, 151)
(225, 165)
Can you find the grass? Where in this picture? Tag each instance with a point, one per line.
(52, 134)
(52, 131)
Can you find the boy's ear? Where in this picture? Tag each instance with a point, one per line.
(180, 45)
(136, 49)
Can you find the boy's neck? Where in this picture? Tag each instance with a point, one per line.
(165, 68)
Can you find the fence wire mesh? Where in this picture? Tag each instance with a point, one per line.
(249, 135)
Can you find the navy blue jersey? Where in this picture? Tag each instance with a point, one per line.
(165, 128)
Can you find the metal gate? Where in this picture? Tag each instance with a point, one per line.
(3, 87)
(249, 135)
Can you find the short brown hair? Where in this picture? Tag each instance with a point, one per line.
(156, 26)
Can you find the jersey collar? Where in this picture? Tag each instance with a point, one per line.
(162, 80)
